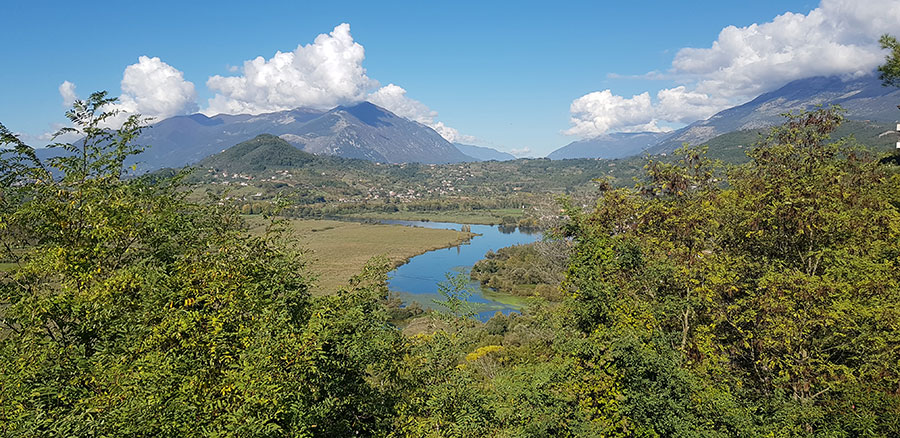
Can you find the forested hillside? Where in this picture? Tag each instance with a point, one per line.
(753, 300)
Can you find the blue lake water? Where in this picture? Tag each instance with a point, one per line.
(418, 279)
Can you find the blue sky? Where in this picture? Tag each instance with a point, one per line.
(502, 74)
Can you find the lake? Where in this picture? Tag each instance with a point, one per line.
(418, 279)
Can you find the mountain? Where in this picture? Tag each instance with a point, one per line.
(182, 140)
(615, 145)
(864, 98)
(363, 130)
(482, 153)
(370, 132)
(733, 146)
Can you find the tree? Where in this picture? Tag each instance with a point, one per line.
(890, 70)
(127, 310)
(761, 306)
(455, 292)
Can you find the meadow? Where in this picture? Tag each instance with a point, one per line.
(335, 250)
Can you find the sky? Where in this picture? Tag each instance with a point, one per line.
(522, 77)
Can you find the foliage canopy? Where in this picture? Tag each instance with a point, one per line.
(751, 300)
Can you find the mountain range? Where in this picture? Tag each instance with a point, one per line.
(610, 146)
(367, 131)
(482, 153)
(864, 98)
(364, 130)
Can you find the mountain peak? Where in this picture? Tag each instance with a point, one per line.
(368, 113)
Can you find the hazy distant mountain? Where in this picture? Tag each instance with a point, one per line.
(482, 153)
(863, 98)
(358, 131)
(615, 145)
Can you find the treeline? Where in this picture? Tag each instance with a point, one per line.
(333, 209)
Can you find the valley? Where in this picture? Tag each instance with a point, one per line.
(314, 253)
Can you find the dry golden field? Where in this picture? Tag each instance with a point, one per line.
(336, 250)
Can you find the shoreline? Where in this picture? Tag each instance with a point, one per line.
(462, 240)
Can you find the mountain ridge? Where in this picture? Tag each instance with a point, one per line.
(609, 146)
(362, 130)
(864, 99)
(483, 153)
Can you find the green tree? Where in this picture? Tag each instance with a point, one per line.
(455, 292)
(890, 70)
(131, 311)
(761, 305)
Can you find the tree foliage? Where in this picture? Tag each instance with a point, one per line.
(764, 306)
(751, 300)
(890, 70)
(129, 311)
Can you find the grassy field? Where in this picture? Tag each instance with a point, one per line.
(482, 217)
(337, 250)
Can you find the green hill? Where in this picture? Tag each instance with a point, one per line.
(265, 152)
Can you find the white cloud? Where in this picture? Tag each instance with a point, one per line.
(156, 89)
(683, 106)
(840, 37)
(601, 111)
(322, 75)
(67, 92)
(150, 88)
(51, 136)
(394, 99)
(837, 38)
(521, 152)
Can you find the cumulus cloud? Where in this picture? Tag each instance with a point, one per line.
(601, 111)
(394, 99)
(683, 106)
(156, 89)
(67, 92)
(323, 74)
(150, 88)
(840, 37)
(837, 38)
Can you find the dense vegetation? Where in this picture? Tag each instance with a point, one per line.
(129, 311)
(753, 300)
(768, 306)
(534, 269)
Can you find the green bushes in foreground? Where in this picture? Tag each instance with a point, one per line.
(131, 312)
(759, 300)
